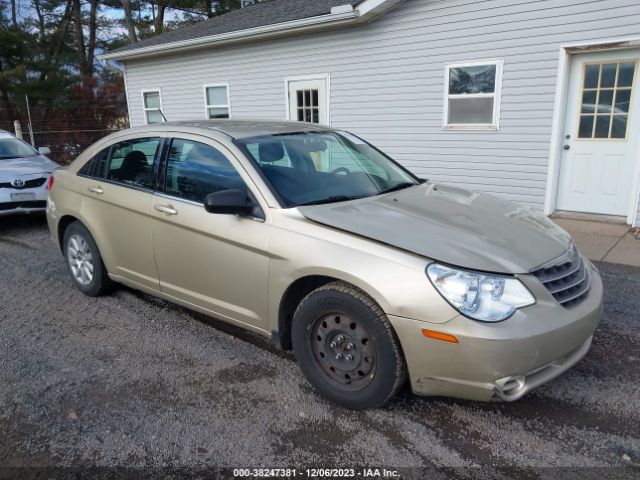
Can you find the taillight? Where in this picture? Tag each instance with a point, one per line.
(50, 183)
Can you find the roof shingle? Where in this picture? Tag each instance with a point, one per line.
(257, 15)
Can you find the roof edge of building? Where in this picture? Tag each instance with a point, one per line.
(365, 12)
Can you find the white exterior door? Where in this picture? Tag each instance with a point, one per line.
(308, 100)
(600, 145)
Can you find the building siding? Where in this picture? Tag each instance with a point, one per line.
(387, 81)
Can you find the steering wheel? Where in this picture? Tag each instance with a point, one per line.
(340, 170)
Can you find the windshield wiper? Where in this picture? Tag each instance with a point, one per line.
(333, 199)
(399, 186)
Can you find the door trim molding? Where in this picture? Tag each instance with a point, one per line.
(320, 76)
(559, 109)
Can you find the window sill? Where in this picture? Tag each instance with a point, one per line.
(471, 127)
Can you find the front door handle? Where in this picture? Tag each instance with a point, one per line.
(167, 209)
(97, 190)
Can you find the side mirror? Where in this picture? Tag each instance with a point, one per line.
(230, 202)
(46, 151)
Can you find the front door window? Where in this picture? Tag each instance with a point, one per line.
(194, 170)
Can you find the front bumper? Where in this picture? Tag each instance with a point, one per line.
(504, 360)
(12, 206)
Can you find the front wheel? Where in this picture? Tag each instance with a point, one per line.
(346, 347)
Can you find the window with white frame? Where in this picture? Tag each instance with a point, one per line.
(217, 101)
(152, 104)
(472, 95)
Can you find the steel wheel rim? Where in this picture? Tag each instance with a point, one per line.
(344, 350)
(80, 260)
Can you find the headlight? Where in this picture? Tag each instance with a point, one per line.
(484, 297)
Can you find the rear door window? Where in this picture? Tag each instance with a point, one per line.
(131, 162)
(95, 167)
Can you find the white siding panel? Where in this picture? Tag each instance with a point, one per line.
(387, 82)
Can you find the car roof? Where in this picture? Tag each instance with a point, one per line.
(238, 129)
(5, 134)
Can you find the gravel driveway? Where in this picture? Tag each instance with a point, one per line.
(131, 381)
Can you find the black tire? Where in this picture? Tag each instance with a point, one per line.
(340, 310)
(100, 282)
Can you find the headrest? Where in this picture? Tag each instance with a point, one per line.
(270, 151)
(309, 146)
(133, 160)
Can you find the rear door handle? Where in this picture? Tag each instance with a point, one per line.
(98, 190)
(167, 209)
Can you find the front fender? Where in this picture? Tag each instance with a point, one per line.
(395, 279)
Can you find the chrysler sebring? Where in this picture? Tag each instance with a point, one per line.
(315, 238)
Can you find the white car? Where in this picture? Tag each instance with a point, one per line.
(24, 173)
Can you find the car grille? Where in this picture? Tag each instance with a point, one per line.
(33, 183)
(28, 204)
(567, 278)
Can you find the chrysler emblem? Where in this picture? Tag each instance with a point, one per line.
(18, 183)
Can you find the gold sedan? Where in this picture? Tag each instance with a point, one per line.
(317, 239)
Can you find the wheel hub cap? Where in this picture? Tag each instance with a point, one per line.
(344, 350)
(80, 260)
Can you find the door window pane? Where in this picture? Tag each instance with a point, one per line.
(619, 126)
(625, 74)
(194, 170)
(608, 75)
(471, 110)
(623, 97)
(605, 100)
(588, 101)
(591, 75)
(585, 130)
(131, 162)
(602, 126)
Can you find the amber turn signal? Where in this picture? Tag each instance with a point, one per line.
(445, 337)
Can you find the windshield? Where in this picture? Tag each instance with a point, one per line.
(11, 147)
(310, 168)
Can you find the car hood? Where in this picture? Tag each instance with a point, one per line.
(16, 167)
(471, 230)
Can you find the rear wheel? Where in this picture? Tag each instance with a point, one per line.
(346, 347)
(84, 262)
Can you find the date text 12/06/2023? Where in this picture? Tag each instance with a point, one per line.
(315, 473)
